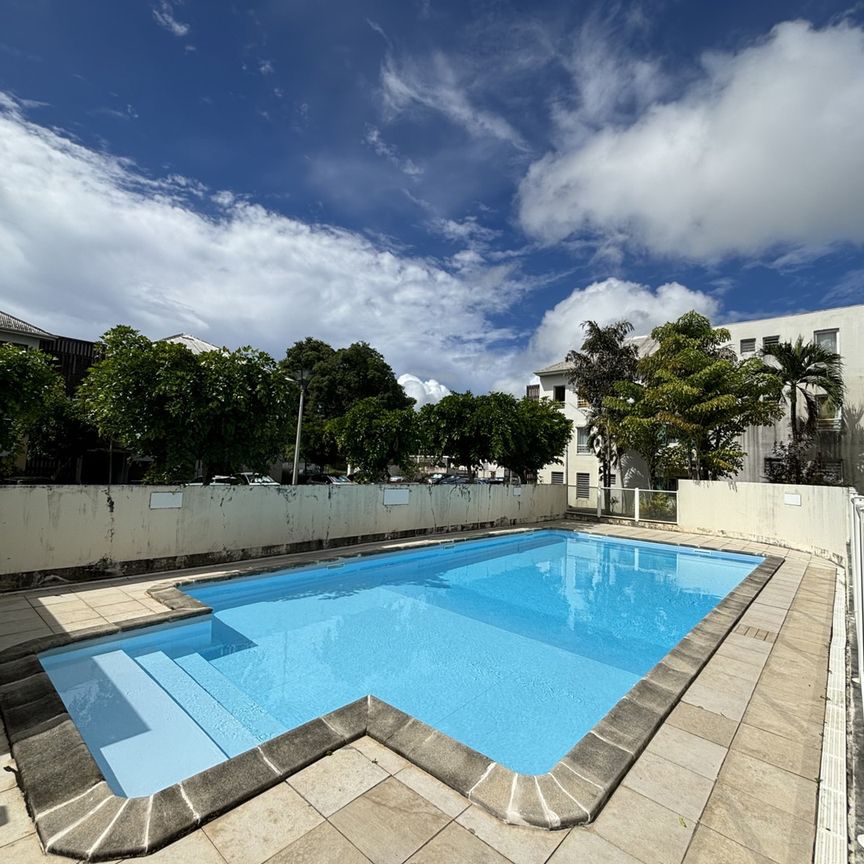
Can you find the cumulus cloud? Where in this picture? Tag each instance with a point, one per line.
(164, 15)
(424, 392)
(763, 151)
(88, 241)
(608, 301)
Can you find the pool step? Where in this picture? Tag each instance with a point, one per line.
(217, 722)
(254, 718)
(141, 738)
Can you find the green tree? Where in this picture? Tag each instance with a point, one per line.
(453, 429)
(225, 410)
(62, 434)
(528, 434)
(339, 378)
(374, 437)
(806, 371)
(246, 408)
(605, 360)
(29, 385)
(696, 399)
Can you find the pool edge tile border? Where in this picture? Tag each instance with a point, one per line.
(77, 815)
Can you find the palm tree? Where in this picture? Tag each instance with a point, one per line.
(806, 370)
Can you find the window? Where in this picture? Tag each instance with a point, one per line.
(558, 393)
(582, 445)
(770, 340)
(532, 391)
(557, 478)
(748, 346)
(583, 485)
(826, 339)
(829, 416)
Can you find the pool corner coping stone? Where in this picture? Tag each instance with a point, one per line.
(77, 815)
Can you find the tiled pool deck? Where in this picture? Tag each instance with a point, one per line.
(731, 775)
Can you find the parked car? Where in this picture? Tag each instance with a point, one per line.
(324, 480)
(250, 478)
(451, 480)
(244, 478)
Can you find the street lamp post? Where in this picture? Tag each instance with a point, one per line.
(301, 377)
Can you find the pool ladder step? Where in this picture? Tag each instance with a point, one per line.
(246, 710)
(226, 731)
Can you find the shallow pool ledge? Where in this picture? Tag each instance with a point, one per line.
(77, 815)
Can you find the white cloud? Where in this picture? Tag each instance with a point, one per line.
(609, 301)
(87, 242)
(164, 15)
(763, 151)
(436, 86)
(391, 153)
(424, 392)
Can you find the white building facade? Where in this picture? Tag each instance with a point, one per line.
(840, 434)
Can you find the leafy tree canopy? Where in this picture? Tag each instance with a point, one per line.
(452, 428)
(224, 409)
(339, 378)
(374, 437)
(605, 360)
(29, 385)
(694, 399)
(805, 371)
(533, 433)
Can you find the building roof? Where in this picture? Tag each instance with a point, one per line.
(193, 343)
(560, 366)
(15, 325)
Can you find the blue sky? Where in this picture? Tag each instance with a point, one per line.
(460, 184)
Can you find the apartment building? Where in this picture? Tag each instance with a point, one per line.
(840, 434)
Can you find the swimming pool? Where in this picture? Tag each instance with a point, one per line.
(515, 646)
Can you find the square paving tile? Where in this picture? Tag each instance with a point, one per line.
(583, 846)
(644, 829)
(456, 844)
(709, 847)
(256, 830)
(442, 796)
(15, 822)
(389, 760)
(706, 724)
(195, 848)
(784, 753)
(786, 791)
(389, 822)
(756, 824)
(671, 785)
(322, 845)
(521, 845)
(331, 782)
(688, 750)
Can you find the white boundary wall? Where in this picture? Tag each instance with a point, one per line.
(810, 518)
(53, 527)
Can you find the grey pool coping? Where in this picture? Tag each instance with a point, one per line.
(77, 815)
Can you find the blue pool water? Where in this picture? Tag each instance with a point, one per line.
(515, 646)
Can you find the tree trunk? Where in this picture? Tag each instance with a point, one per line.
(793, 419)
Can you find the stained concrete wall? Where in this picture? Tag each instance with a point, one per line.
(76, 531)
(811, 518)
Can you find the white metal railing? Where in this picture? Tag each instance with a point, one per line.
(856, 574)
(651, 505)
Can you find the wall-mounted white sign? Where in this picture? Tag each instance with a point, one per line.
(399, 495)
(793, 500)
(166, 500)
